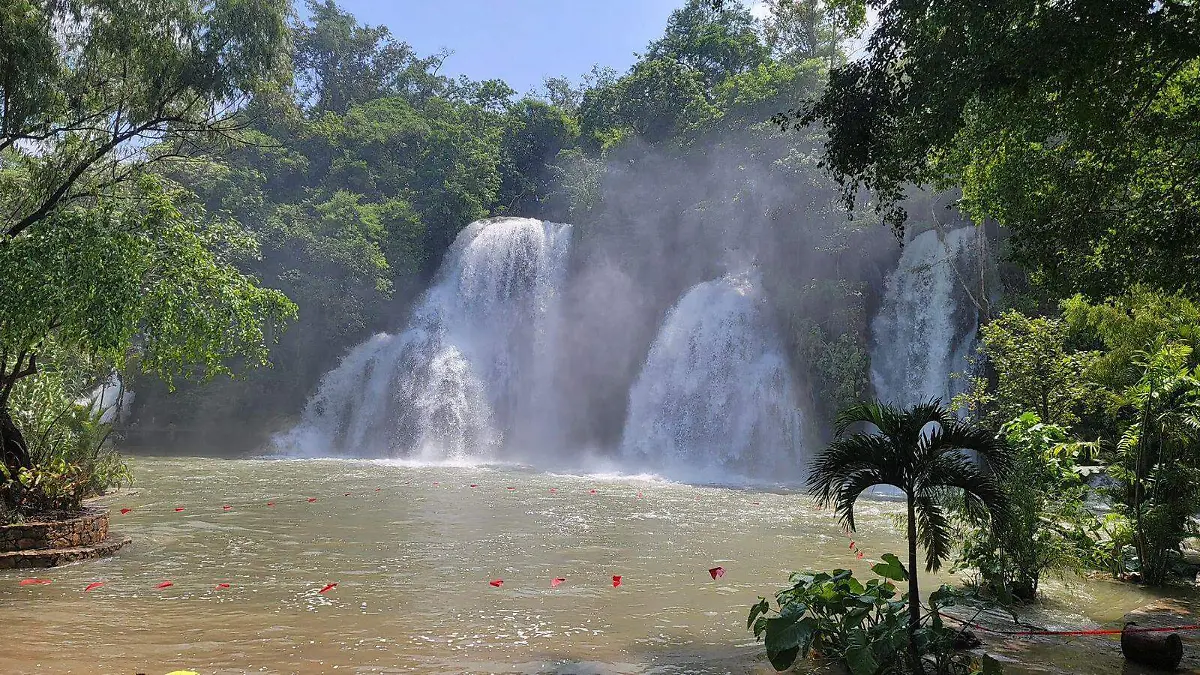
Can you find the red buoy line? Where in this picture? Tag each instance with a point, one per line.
(715, 573)
(617, 580)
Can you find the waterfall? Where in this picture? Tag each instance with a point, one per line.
(926, 327)
(110, 399)
(715, 393)
(471, 368)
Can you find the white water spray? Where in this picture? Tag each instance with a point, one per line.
(926, 327)
(471, 367)
(715, 394)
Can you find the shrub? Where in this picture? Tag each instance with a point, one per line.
(1046, 527)
(833, 615)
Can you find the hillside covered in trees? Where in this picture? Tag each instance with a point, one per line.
(357, 175)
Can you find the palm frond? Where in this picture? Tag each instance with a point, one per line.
(961, 472)
(955, 435)
(933, 529)
(879, 415)
(850, 487)
(841, 457)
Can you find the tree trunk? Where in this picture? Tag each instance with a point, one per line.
(14, 452)
(1161, 650)
(914, 593)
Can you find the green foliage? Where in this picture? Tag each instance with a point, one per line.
(149, 268)
(1046, 528)
(799, 30)
(833, 615)
(1157, 466)
(923, 452)
(717, 42)
(69, 442)
(1074, 126)
(1122, 327)
(87, 108)
(340, 64)
(1034, 370)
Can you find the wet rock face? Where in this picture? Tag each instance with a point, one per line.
(89, 529)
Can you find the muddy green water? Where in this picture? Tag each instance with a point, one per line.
(412, 550)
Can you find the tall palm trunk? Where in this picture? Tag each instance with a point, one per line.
(914, 593)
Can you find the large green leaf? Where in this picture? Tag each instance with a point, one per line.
(890, 568)
(787, 638)
(783, 660)
(860, 658)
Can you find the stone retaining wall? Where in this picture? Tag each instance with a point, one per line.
(87, 530)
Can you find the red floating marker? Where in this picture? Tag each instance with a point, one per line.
(347, 494)
(435, 483)
(756, 503)
(226, 507)
(166, 584)
(378, 489)
(222, 586)
(312, 499)
(178, 509)
(124, 511)
(851, 544)
(474, 485)
(93, 586)
(270, 503)
(639, 495)
(497, 582)
(717, 572)
(511, 487)
(860, 555)
(591, 492)
(556, 582)
(34, 582)
(328, 587)
(616, 580)
(553, 491)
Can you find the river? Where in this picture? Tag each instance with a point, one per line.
(412, 550)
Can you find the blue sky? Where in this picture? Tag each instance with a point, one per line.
(521, 41)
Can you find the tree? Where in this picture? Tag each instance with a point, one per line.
(798, 30)
(340, 64)
(661, 98)
(85, 108)
(1073, 123)
(1033, 368)
(924, 452)
(1047, 526)
(717, 42)
(145, 277)
(1157, 468)
(95, 255)
(534, 134)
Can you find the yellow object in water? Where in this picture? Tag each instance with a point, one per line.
(183, 672)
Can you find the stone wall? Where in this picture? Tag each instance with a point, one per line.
(87, 530)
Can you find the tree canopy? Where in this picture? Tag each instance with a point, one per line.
(1074, 124)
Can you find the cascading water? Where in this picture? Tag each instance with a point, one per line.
(926, 327)
(715, 393)
(470, 368)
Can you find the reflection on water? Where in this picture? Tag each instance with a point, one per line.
(412, 550)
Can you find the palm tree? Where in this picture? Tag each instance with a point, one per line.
(926, 452)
